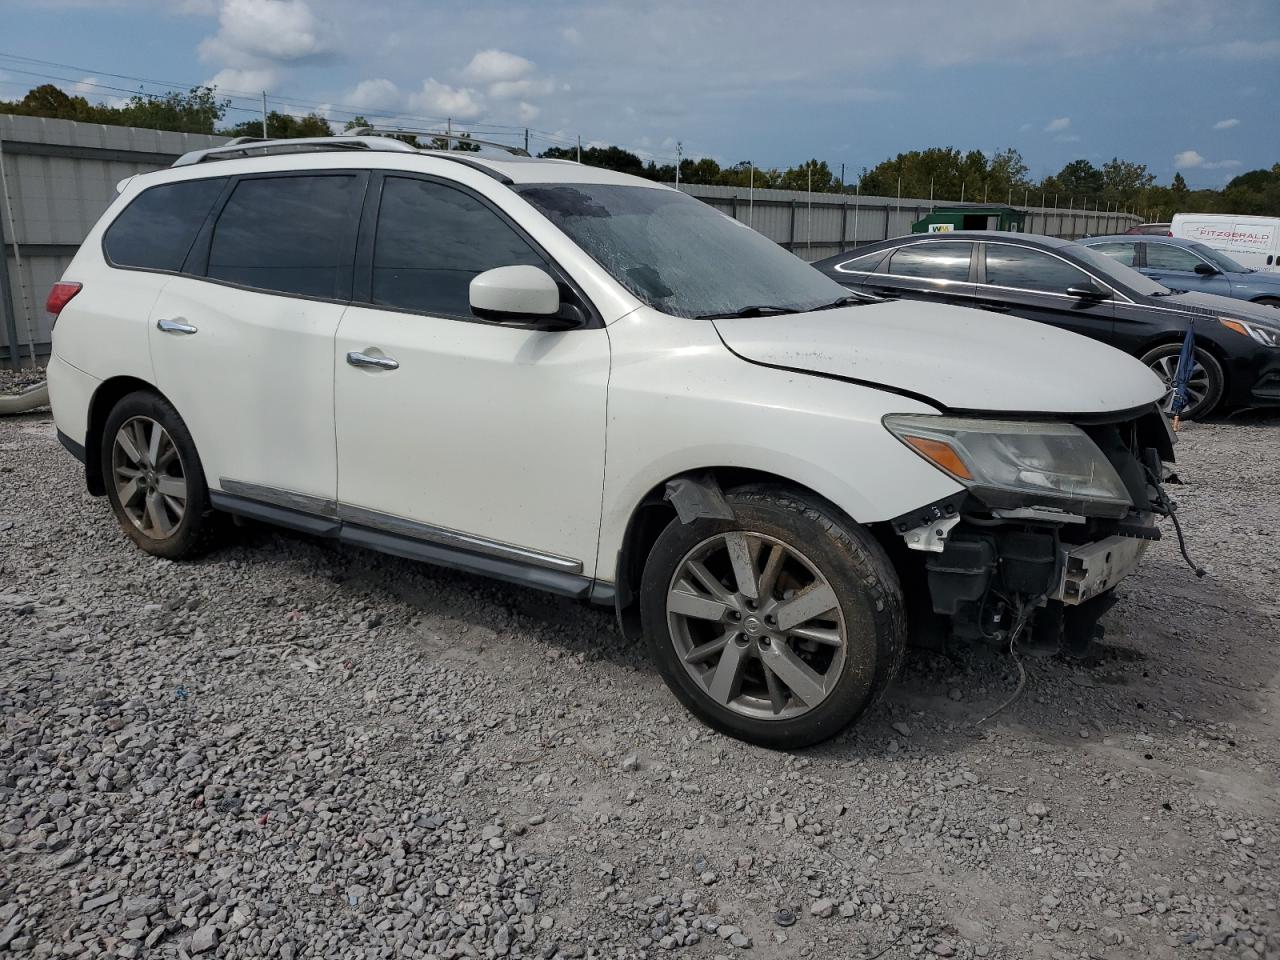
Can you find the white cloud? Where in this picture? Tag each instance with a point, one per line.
(252, 31)
(249, 80)
(1058, 124)
(440, 99)
(376, 94)
(1190, 159)
(1226, 124)
(528, 87)
(495, 66)
(1243, 49)
(527, 112)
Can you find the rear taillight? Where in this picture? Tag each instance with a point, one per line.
(60, 296)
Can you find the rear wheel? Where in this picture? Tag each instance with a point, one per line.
(1204, 388)
(1268, 301)
(154, 479)
(779, 627)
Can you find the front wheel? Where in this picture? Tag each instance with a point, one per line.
(1204, 388)
(779, 627)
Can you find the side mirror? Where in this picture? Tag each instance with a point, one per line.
(1206, 269)
(1088, 290)
(515, 293)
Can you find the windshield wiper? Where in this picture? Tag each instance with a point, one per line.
(849, 300)
(755, 310)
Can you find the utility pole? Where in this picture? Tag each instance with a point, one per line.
(808, 235)
(526, 139)
(264, 114)
(679, 152)
(857, 195)
(931, 189)
(579, 148)
(842, 178)
(899, 210)
(751, 194)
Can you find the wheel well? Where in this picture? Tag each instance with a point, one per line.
(651, 517)
(108, 394)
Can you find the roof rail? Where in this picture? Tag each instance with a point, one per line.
(436, 135)
(253, 147)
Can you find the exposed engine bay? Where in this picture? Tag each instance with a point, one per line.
(1036, 574)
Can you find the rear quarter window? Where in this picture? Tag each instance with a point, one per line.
(156, 230)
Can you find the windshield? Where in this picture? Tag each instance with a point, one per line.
(1112, 269)
(1219, 259)
(680, 255)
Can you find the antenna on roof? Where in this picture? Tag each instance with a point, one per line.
(435, 135)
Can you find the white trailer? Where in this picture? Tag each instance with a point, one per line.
(1253, 241)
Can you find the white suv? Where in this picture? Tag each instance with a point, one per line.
(592, 384)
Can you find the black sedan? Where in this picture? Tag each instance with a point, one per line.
(1070, 286)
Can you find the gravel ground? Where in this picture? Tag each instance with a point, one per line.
(292, 749)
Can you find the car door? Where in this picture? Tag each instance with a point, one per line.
(484, 436)
(938, 271)
(1176, 267)
(1032, 283)
(242, 343)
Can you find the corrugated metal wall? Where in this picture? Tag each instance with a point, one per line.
(60, 176)
(819, 225)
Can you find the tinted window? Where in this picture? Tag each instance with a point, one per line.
(1029, 269)
(1165, 256)
(933, 261)
(431, 240)
(156, 230)
(288, 234)
(1122, 251)
(866, 263)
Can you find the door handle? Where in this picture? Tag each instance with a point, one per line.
(357, 359)
(175, 326)
(993, 307)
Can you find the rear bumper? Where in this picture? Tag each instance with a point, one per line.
(70, 394)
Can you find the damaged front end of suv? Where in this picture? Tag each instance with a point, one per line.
(1054, 513)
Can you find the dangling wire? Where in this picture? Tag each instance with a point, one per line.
(1019, 623)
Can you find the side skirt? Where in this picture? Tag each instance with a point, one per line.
(442, 555)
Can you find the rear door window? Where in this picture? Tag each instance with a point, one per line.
(1025, 269)
(432, 240)
(1125, 251)
(156, 231)
(288, 235)
(933, 261)
(1165, 256)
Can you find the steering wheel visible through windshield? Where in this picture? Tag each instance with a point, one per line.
(679, 255)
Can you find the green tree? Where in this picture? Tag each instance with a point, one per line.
(1179, 186)
(196, 111)
(1079, 178)
(282, 126)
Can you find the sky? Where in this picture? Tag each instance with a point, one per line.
(1186, 85)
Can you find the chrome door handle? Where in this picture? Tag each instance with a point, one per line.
(175, 326)
(357, 359)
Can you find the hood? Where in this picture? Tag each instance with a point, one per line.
(959, 358)
(1225, 307)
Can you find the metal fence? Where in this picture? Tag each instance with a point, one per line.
(817, 225)
(57, 176)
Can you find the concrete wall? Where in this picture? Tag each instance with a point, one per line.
(60, 176)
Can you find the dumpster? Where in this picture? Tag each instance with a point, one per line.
(946, 219)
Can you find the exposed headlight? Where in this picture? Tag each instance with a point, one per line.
(1264, 335)
(1010, 463)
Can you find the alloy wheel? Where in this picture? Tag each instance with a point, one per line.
(1166, 368)
(149, 478)
(756, 625)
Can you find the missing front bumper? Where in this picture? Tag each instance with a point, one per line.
(1094, 568)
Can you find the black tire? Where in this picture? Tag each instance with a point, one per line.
(855, 566)
(1215, 382)
(192, 533)
(1268, 302)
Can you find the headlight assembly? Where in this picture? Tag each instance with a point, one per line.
(1011, 463)
(1264, 335)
